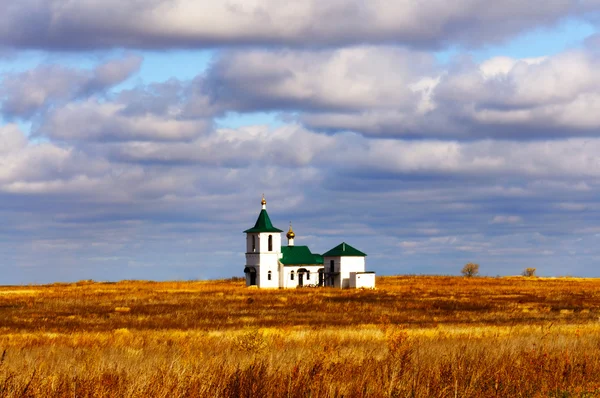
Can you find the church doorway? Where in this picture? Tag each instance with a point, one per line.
(301, 273)
(321, 277)
(250, 276)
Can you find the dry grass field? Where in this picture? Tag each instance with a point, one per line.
(412, 337)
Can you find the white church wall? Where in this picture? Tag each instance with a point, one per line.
(311, 279)
(281, 275)
(267, 283)
(347, 265)
(362, 280)
(263, 242)
(268, 262)
(290, 277)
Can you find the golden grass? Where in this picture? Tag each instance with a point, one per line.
(413, 336)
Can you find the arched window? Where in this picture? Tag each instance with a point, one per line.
(270, 243)
(292, 275)
(269, 275)
(307, 275)
(253, 243)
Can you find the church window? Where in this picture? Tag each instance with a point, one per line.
(269, 275)
(270, 243)
(331, 266)
(292, 275)
(307, 275)
(253, 243)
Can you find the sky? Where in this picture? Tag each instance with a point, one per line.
(137, 137)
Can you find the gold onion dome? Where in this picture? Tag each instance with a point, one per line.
(263, 201)
(290, 234)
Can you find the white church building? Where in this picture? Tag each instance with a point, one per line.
(271, 265)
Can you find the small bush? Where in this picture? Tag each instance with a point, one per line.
(529, 272)
(470, 270)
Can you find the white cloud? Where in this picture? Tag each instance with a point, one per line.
(11, 139)
(557, 95)
(43, 167)
(294, 146)
(344, 79)
(386, 91)
(93, 120)
(288, 146)
(500, 66)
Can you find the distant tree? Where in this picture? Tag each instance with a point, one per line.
(529, 272)
(470, 270)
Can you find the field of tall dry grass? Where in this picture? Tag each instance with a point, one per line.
(412, 337)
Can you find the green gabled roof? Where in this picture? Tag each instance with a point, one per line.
(296, 255)
(344, 249)
(263, 224)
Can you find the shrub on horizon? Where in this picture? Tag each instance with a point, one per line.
(529, 272)
(470, 270)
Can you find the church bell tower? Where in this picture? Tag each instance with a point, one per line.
(263, 251)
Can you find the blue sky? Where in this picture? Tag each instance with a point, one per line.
(136, 143)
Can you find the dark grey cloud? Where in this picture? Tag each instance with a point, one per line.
(159, 24)
(26, 93)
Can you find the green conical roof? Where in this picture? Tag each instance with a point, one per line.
(263, 224)
(344, 249)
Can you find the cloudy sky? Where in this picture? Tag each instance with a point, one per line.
(137, 136)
